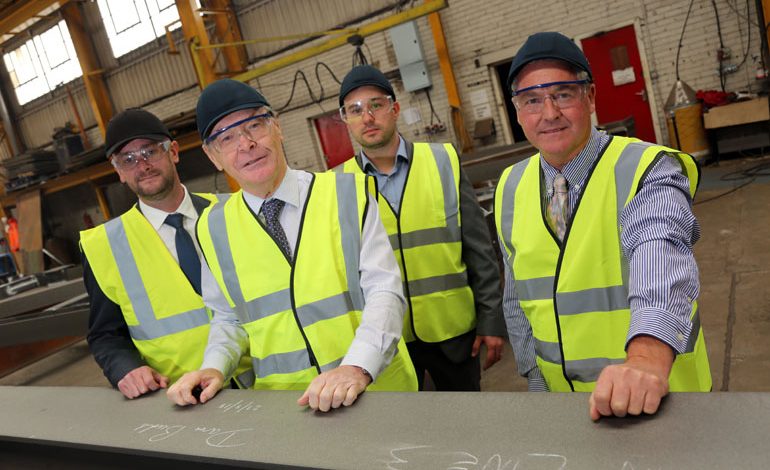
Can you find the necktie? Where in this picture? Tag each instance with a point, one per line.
(185, 251)
(271, 210)
(558, 208)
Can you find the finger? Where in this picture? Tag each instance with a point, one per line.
(476, 346)
(313, 390)
(602, 394)
(326, 397)
(340, 395)
(209, 392)
(592, 410)
(637, 400)
(621, 397)
(173, 394)
(159, 379)
(652, 403)
(351, 396)
(493, 355)
(127, 389)
(304, 399)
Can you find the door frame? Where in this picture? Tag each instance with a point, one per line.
(651, 92)
(489, 61)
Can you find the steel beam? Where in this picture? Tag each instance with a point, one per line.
(96, 88)
(227, 29)
(369, 29)
(195, 33)
(41, 297)
(381, 430)
(19, 12)
(43, 326)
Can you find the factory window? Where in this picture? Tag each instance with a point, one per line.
(42, 63)
(131, 24)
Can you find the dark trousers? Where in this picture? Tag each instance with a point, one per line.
(447, 375)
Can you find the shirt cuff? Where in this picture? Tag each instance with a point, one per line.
(661, 325)
(220, 362)
(536, 381)
(366, 356)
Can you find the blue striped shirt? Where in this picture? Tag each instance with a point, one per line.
(659, 231)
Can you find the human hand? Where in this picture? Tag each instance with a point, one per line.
(494, 349)
(209, 380)
(140, 381)
(637, 385)
(331, 389)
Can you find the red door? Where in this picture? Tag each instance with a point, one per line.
(620, 87)
(335, 140)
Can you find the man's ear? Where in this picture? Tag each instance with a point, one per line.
(212, 156)
(174, 150)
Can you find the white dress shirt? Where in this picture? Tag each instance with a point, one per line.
(376, 338)
(167, 233)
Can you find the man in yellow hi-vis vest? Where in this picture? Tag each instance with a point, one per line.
(597, 234)
(307, 281)
(438, 233)
(148, 324)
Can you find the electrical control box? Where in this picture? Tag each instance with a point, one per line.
(409, 55)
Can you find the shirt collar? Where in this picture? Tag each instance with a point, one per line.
(156, 217)
(401, 155)
(576, 171)
(288, 192)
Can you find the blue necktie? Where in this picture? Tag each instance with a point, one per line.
(185, 251)
(271, 210)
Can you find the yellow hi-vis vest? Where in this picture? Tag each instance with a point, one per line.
(575, 293)
(301, 315)
(427, 241)
(166, 318)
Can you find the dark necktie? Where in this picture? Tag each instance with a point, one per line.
(271, 210)
(185, 251)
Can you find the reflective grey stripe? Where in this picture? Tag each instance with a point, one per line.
(588, 370)
(539, 288)
(694, 333)
(158, 328)
(625, 169)
(507, 205)
(600, 299)
(267, 305)
(549, 352)
(339, 168)
(282, 363)
(218, 234)
(394, 242)
(149, 326)
(347, 209)
(428, 236)
(447, 178)
(441, 283)
(583, 370)
(332, 365)
(324, 309)
(246, 379)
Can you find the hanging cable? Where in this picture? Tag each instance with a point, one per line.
(681, 36)
(721, 57)
(748, 27)
(300, 74)
(359, 58)
(320, 83)
(432, 109)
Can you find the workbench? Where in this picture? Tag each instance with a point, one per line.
(738, 126)
(81, 427)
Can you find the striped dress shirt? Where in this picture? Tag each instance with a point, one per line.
(659, 231)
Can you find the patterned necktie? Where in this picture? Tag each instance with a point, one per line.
(271, 210)
(558, 208)
(185, 251)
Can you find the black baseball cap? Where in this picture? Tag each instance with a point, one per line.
(222, 98)
(363, 75)
(548, 45)
(133, 123)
